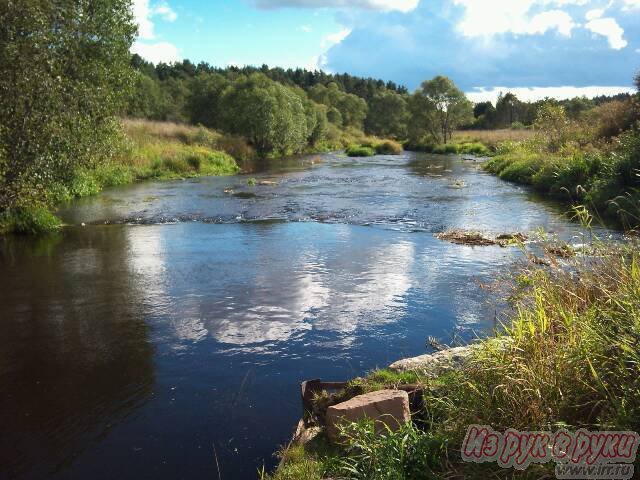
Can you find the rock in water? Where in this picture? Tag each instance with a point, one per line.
(386, 407)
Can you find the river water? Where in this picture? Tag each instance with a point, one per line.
(167, 337)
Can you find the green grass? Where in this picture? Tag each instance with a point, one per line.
(28, 220)
(606, 182)
(360, 151)
(469, 148)
(388, 147)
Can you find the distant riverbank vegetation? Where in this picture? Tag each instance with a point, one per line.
(78, 114)
(591, 159)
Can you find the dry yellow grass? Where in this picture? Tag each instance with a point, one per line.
(491, 138)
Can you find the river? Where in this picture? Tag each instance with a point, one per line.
(166, 338)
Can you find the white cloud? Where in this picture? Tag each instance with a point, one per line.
(383, 5)
(609, 28)
(165, 11)
(595, 13)
(629, 4)
(537, 93)
(489, 17)
(143, 14)
(160, 52)
(305, 28)
(551, 20)
(334, 38)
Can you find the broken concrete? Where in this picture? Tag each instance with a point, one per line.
(386, 407)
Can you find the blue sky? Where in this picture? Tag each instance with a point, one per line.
(532, 47)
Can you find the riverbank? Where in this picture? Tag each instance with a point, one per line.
(147, 150)
(566, 356)
(150, 150)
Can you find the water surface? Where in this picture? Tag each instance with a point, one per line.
(167, 337)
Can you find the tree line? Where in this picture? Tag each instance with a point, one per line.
(196, 93)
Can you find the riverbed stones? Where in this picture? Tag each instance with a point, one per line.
(386, 407)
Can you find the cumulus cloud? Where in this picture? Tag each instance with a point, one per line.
(160, 52)
(144, 14)
(490, 17)
(334, 38)
(538, 93)
(511, 43)
(607, 27)
(383, 5)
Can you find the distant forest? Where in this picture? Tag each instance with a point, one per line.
(179, 91)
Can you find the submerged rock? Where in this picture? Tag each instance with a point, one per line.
(386, 407)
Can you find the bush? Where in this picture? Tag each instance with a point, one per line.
(473, 149)
(445, 149)
(388, 147)
(29, 220)
(360, 151)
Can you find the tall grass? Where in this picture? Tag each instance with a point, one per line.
(607, 181)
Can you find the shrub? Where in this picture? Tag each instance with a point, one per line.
(194, 162)
(388, 147)
(29, 220)
(445, 149)
(473, 149)
(360, 151)
(175, 164)
(84, 184)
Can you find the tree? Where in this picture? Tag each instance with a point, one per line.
(64, 72)
(552, 123)
(446, 107)
(388, 115)
(508, 109)
(203, 99)
(352, 109)
(271, 116)
(485, 115)
(147, 99)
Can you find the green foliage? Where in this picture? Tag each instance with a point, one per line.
(64, 72)
(388, 147)
(405, 454)
(360, 151)
(388, 115)
(445, 149)
(553, 126)
(28, 220)
(270, 115)
(437, 109)
(345, 109)
(474, 148)
(608, 183)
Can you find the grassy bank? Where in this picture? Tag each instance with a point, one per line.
(604, 179)
(471, 142)
(148, 150)
(566, 357)
(368, 147)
